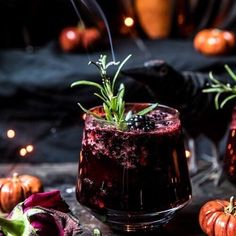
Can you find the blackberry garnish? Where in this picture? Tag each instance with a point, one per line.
(160, 116)
(141, 122)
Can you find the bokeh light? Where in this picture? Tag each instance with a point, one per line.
(23, 152)
(129, 21)
(187, 154)
(11, 133)
(29, 148)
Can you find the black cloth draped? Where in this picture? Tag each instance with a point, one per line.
(37, 102)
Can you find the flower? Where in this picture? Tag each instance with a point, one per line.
(52, 200)
(41, 214)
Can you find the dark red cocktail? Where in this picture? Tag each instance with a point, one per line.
(229, 163)
(134, 179)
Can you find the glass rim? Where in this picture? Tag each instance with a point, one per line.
(174, 112)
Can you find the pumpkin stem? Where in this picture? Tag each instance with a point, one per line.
(15, 177)
(13, 227)
(81, 26)
(231, 208)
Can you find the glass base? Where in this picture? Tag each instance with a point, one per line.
(137, 222)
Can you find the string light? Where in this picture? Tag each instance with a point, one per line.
(187, 154)
(129, 21)
(71, 35)
(11, 133)
(23, 152)
(29, 148)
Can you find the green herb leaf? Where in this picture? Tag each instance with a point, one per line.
(227, 99)
(212, 90)
(217, 100)
(88, 111)
(113, 102)
(107, 112)
(213, 79)
(98, 95)
(219, 88)
(230, 72)
(148, 109)
(118, 71)
(85, 82)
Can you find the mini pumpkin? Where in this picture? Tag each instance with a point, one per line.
(78, 38)
(218, 217)
(90, 37)
(16, 189)
(69, 39)
(213, 42)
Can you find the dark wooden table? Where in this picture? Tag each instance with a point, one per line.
(63, 177)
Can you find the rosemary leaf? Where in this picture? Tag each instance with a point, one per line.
(219, 88)
(230, 72)
(88, 111)
(212, 90)
(98, 95)
(211, 77)
(147, 109)
(118, 71)
(107, 112)
(85, 82)
(227, 99)
(113, 102)
(217, 100)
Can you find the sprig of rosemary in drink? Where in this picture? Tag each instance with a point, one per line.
(113, 101)
(220, 88)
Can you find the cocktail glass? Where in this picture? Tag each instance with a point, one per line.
(134, 180)
(229, 161)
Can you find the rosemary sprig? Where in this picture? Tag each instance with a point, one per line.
(113, 101)
(220, 88)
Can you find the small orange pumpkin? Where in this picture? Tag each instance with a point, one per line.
(90, 37)
(69, 39)
(218, 217)
(78, 38)
(213, 42)
(16, 189)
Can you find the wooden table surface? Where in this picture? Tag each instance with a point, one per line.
(63, 177)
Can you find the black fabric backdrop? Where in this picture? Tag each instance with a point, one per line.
(37, 102)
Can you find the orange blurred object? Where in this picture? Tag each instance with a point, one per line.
(78, 38)
(69, 39)
(213, 42)
(155, 17)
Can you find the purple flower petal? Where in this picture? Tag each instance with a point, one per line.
(49, 200)
(1, 233)
(61, 223)
(46, 224)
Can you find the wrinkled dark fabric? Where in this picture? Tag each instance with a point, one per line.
(36, 99)
(183, 90)
(199, 15)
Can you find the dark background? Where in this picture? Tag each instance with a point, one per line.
(36, 22)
